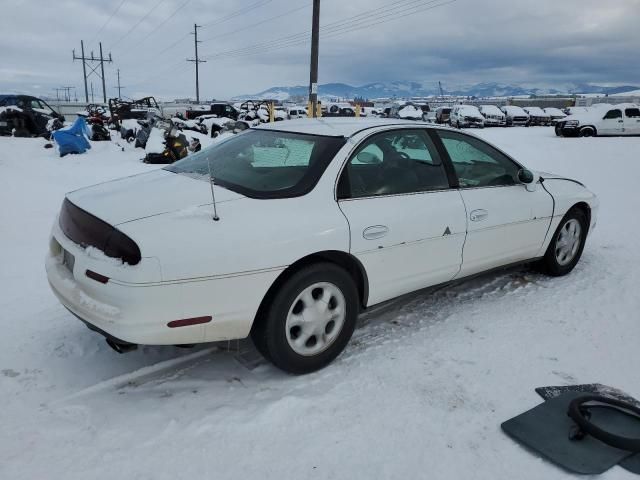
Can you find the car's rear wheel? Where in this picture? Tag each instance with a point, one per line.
(567, 244)
(309, 320)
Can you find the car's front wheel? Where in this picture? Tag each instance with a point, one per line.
(309, 320)
(558, 130)
(567, 244)
(587, 132)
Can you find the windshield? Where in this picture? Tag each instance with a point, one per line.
(264, 163)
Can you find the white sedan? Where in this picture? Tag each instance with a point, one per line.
(313, 222)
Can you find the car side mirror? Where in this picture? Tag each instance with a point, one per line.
(529, 179)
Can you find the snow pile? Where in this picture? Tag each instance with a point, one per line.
(156, 141)
(491, 110)
(410, 112)
(9, 109)
(515, 111)
(470, 111)
(220, 121)
(130, 124)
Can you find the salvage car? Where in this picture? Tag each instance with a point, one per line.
(555, 114)
(623, 119)
(493, 116)
(140, 109)
(516, 116)
(466, 116)
(221, 109)
(287, 232)
(537, 116)
(27, 116)
(442, 115)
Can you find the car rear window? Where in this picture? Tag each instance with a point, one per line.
(264, 163)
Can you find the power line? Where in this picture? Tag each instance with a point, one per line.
(171, 15)
(305, 36)
(373, 12)
(108, 21)
(289, 12)
(138, 23)
(239, 12)
(357, 22)
(391, 12)
(216, 22)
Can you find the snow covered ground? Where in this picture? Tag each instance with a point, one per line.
(419, 393)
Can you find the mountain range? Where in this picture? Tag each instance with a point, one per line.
(400, 89)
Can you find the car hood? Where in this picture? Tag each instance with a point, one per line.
(584, 116)
(146, 195)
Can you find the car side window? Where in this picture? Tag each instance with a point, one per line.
(393, 163)
(613, 114)
(478, 164)
(632, 112)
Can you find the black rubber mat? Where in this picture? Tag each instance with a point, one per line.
(546, 430)
(631, 463)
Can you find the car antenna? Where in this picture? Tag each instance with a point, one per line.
(213, 195)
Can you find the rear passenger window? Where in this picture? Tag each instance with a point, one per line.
(632, 112)
(613, 114)
(392, 163)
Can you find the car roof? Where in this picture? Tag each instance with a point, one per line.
(338, 127)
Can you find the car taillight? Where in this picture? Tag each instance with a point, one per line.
(87, 230)
(118, 245)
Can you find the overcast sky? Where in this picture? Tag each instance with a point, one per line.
(541, 42)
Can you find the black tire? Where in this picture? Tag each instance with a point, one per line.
(549, 263)
(558, 130)
(269, 332)
(587, 132)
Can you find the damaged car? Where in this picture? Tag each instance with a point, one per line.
(27, 116)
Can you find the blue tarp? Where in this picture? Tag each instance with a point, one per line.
(73, 139)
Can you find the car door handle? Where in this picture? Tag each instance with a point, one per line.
(478, 215)
(374, 232)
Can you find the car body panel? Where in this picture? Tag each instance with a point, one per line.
(406, 241)
(506, 224)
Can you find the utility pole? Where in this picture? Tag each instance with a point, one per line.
(313, 80)
(67, 93)
(119, 87)
(93, 63)
(196, 60)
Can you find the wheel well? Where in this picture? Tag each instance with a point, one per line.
(342, 259)
(586, 209)
(595, 130)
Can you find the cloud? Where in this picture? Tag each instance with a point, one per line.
(546, 42)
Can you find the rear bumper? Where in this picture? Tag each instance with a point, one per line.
(139, 313)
